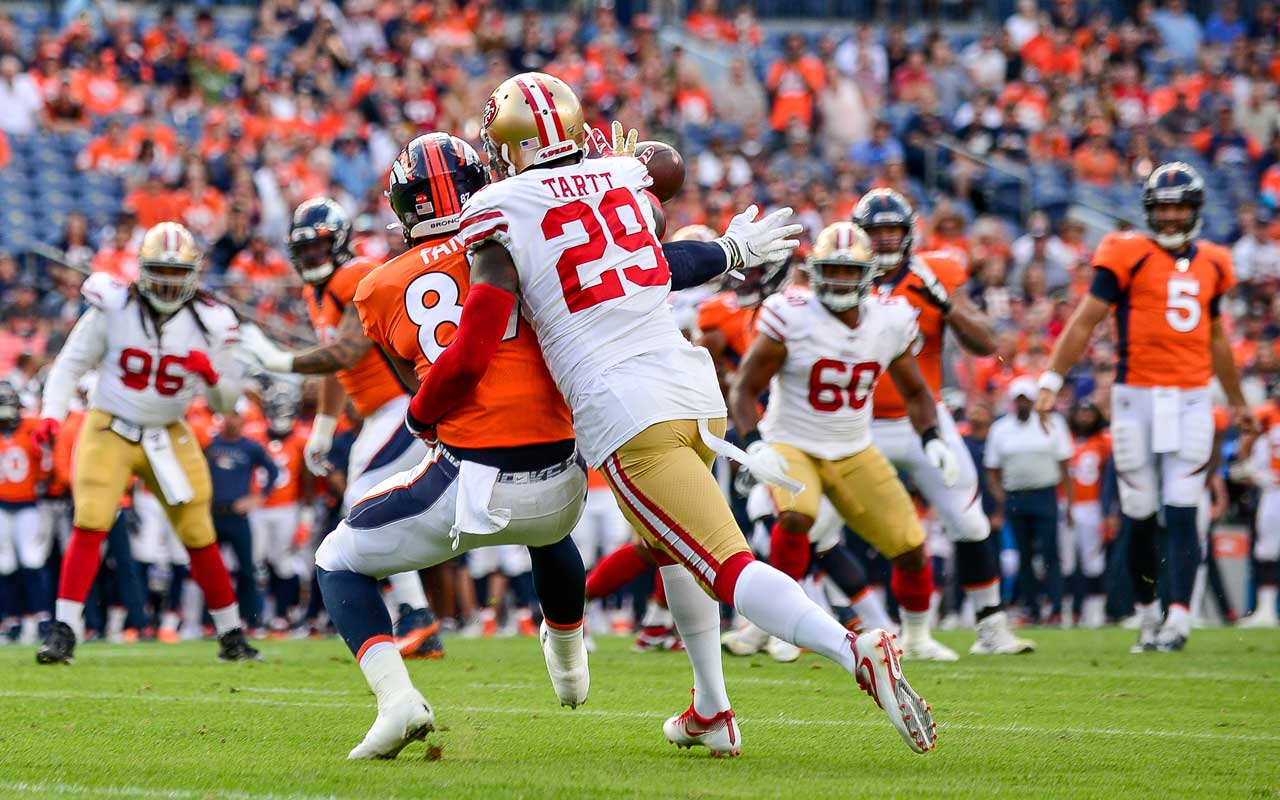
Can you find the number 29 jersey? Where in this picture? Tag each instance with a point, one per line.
(410, 307)
(594, 283)
(820, 401)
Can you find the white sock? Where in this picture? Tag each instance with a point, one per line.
(384, 669)
(870, 609)
(984, 597)
(655, 616)
(1179, 619)
(566, 643)
(116, 616)
(776, 603)
(226, 619)
(697, 617)
(1148, 612)
(72, 613)
(169, 621)
(406, 587)
(1266, 601)
(915, 624)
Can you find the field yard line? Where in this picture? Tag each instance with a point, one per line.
(943, 726)
(45, 789)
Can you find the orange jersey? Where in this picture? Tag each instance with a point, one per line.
(411, 307)
(1163, 308)
(888, 402)
(372, 382)
(595, 480)
(1087, 461)
(288, 455)
(738, 325)
(1268, 416)
(22, 468)
(64, 445)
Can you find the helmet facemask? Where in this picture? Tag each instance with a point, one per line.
(1182, 234)
(167, 286)
(889, 256)
(841, 283)
(312, 254)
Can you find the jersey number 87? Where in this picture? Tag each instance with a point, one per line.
(445, 311)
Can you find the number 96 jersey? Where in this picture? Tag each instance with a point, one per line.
(820, 401)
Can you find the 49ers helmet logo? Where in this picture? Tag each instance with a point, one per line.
(490, 111)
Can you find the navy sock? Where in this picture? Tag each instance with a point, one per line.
(176, 581)
(38, 585)
(1183, 552)
(355, 606)
(844, 570)
(288, 592)
(560, 581)
(976, 565)
(1144, 567)
(1094, 585)
(9, 605)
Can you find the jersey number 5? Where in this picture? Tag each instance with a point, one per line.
(824, 395)
(1183, 313)
(444, 312)
(609, 286)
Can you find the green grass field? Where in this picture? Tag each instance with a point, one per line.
(1081, 718)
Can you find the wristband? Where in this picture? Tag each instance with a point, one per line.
(928, 435)
(751, 438)
(1050, 380)
(324, 425)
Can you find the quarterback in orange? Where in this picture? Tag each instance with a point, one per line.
(1166, 288)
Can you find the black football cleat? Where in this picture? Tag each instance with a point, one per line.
(417, 633)
(59, 645)
(233, 646)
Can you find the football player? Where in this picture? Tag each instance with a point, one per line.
(820, 355)
(25, 543)
(1166, 288)
(285, 516)
(320, 247)
(1260, 456)
(932, 283)
(1081, 540)
(155, 344)
(573, 241)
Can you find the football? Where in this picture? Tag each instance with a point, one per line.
(666, 167)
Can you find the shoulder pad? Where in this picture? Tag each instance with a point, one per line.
(104, 292)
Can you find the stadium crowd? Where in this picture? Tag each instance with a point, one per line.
(1019, 142)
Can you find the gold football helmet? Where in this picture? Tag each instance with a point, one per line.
(531, 119)
(168, 267)
(694, 233)
(842, 266)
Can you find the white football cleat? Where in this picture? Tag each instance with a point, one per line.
(1259, 619)
(923, 647)
(398, 724)
(746, 640)
(719, 734)
(996, 639)
(781, 651)
(879, 674)
(1148, 629)
(570, 676)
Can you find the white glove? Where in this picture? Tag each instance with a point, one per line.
(269, 355)
(751, 243)
(319, 443)
(768, 462)
(932, 288)
(941, 457)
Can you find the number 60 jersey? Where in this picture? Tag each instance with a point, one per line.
(820, 401)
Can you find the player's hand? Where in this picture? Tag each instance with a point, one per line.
(425, 432)
(316, 451)
(1110, 528)
(197, 363)
(1244, 420)
(768, 458)
(997, 522)
(1045, 401)
(622, 144)
(750, 242)
(930, 288)
(941, 457)
(263, 351)
(46, 431)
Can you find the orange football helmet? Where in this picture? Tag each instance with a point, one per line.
(531, 119)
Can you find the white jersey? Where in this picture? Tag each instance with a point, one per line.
(594, 284)
(140, 374)
(820, 401)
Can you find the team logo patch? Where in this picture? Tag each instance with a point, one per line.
(490, 111)
(646, 154)
(422, 204)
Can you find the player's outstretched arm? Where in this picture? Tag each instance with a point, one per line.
(344, 352)
(923, 411)
(84, 349)
(1224, 368)
(971, 326)
(484, 320)
(763, 360)
(1069, 347)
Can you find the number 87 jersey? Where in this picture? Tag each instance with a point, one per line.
(820, 400)
(410, 307)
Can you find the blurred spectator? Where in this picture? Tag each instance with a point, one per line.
(258, 264)
(793, 83)
(881, 147)
(862, 52)
(20, 100)
(118, 258)
(1224, 25)
(1254, 256)
(797, 164)
(1095, 161)
(1179, 31)
(1041, 246)
(985, 62)
(1023, 24)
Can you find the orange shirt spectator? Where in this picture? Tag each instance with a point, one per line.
(794, 81)
(162, 137)
(110, 152)
(98, 91)
(1269, 186)
(705, 22)
(203, 210)
(258, 264)
(1094, 162)
(152, 203)
(119, 260)
(4, 150)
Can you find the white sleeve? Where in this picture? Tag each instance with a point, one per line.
(225, 329)
(991, 456)
(774, 320)
(483, 220)
(84, 349)
(910, 329)
(1259, 464)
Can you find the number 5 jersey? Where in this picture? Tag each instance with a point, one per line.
(820, 401)
(594, 283)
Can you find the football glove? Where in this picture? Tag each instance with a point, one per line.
(623, 144)
(264, 351)
(46, 431)
(198, 363)
(319, 443)
(941, 457)
(931, 289)
(749, 242)
(768, 462)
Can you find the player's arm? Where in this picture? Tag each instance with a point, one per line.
(1224, 368)
(923, 412)
(344, 352)
(764, 359)
(83, 350)
(747, 243)
(485, 315)
(1071, 346)
(971, 326)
